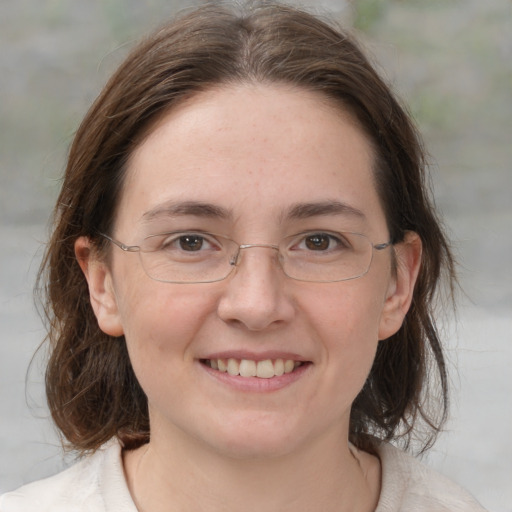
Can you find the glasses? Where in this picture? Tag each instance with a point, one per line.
(199, 257)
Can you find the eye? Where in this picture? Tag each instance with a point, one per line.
(187, 242)
(191, 242)
(318, 242)
(321, 242)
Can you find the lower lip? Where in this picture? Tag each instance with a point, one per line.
(256, 384)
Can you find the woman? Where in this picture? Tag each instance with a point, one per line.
(241, 282)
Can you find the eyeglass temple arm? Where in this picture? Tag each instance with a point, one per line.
(124, 247)
(379, 247)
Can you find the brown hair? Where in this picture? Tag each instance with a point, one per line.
(92, 391)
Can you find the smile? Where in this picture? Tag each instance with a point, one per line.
(265, 369)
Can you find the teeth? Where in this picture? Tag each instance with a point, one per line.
(279, 367)
(233, 367)
(289, 366)
(247, 368)
(265, 369)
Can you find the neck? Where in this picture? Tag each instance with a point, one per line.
(185, 476)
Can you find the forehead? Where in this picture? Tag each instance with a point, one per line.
(251, 149)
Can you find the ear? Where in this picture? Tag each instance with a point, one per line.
(101, 290)
(400, 291)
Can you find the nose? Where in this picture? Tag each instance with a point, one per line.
(256, 294)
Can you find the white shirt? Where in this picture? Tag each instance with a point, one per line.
(97, 484)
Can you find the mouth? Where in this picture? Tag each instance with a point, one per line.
(266, 369)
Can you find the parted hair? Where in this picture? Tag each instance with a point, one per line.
(92, 391)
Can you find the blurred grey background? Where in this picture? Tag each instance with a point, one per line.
(450, 61)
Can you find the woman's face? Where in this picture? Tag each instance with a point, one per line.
(255, 163)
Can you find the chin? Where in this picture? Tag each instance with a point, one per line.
(243, 449)
(253, 439)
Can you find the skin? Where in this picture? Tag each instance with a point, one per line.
(255, 151)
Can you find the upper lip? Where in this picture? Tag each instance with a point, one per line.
(255, 356)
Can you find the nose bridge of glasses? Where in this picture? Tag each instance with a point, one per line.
(236, 259)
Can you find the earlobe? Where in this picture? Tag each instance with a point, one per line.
(101, 290)
(400, 292)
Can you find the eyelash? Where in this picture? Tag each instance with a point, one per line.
(298, 240)
(178, 237)
(331, 237)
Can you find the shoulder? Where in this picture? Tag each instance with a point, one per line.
(89, 485)
(407, 484)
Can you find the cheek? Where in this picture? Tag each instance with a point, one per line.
(352, 309)
(346, 321)
(161, 325)
(160, 319)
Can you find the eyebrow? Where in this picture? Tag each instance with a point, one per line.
(183, 208)
(329, 207)
(208, 210)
